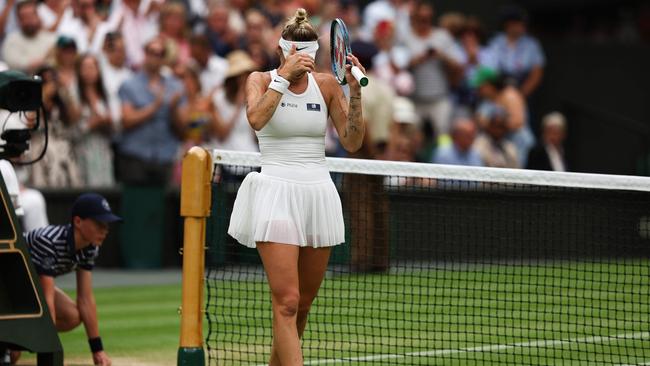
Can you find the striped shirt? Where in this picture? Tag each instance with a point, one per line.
(53, 251)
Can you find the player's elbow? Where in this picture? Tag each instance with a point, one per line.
(256, 120)
(352, 146)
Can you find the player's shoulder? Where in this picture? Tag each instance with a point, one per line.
(325, 80)
(324, 77)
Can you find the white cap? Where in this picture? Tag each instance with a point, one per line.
(404, 111)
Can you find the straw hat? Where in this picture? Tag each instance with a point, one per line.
(404, 111)
(239, 62)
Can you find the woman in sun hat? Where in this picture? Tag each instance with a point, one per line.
(234, 132)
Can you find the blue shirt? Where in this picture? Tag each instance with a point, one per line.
(450, 155)
(515, 61)
(53, 252)
(152, 140)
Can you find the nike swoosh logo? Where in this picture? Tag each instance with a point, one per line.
(300, 49)
(276, 81)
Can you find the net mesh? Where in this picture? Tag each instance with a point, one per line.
(451, 266)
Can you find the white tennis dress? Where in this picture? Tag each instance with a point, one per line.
(293, 200)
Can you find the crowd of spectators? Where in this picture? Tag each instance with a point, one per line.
(130, 85)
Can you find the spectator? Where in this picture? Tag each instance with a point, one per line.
(493, 147)
(233, 132)
(174, 32)
(494, 90)
(114, 73)
(7, 18)
(377, 104)
(196, 11)
(257, 40)
(199, 116)
(94, 145)
(516, 54)
(276, 11)
(138, 20)
(65, 57)
(453, 22)
(474, 54)
(406, 138)
(392, 10)
(59, 168)
(54, 12)
(87, 29)
(392, 60)
(60, 249)
(549, 155)
(461, 151)
(434, 60)
(147, 147)
(27, 49)
(222, 38)
(212, 67)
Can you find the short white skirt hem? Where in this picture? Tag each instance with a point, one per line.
(281, 210)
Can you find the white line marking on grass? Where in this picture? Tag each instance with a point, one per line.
(635, 364)
(490, 348)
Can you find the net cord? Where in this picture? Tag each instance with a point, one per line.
(452, 172)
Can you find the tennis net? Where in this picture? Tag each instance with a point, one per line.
(447, 265)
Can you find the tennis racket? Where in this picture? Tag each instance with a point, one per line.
(339, 50)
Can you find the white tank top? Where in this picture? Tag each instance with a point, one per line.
(294, 137)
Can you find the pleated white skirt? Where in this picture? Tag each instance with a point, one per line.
(271, 208)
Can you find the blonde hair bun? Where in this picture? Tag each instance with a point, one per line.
(300, 16)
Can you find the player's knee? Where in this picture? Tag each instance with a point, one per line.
(71, 320)
(305, 305)
(287, 304)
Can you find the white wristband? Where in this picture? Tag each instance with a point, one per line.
(279, 84)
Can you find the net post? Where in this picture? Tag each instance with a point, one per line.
(195, 207)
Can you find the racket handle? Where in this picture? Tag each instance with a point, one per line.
(358, 74)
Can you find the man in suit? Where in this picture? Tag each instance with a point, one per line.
(549, 155)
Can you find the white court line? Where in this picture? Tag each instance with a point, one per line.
(489, 348)
(635, 364)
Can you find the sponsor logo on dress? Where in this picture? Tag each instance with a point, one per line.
(291, 105)
(313, 107)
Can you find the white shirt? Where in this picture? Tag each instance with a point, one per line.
(19, 52)
(242, 136)
(77, 30)
(554, 155)
(137, 28)
(113, 78)
(213, 75)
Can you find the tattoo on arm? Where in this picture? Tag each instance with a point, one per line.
(354, 117)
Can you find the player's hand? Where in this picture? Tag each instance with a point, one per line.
(101, 359)
(296, 65)
(352, 81)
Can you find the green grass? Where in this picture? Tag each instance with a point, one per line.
(136, 323)
(462, 314)
(454, 312)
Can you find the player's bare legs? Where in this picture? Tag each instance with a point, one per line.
(281, 266)
(312, 265)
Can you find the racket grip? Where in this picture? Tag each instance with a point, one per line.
(358, 74)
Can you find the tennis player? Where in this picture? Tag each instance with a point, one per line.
(291, 211)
